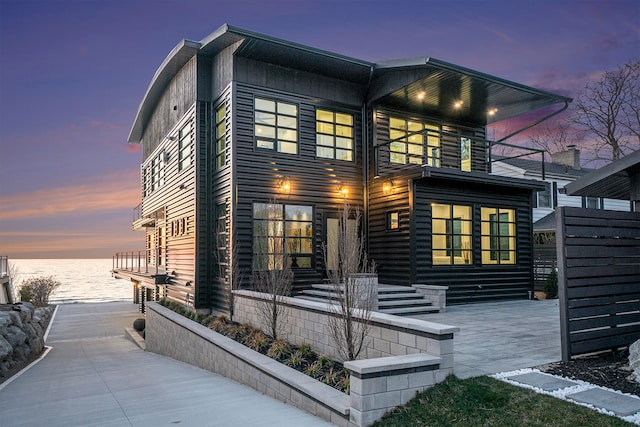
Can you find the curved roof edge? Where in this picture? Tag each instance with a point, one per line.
(176, 59)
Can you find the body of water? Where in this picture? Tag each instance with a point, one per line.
(82, 280)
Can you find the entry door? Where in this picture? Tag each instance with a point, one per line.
(333, 236)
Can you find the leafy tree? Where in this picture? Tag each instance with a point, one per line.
(608, 112)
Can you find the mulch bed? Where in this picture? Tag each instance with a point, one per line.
(608, 369)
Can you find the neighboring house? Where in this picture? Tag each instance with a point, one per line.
(563, 169)
(6, 293)
(251, 145)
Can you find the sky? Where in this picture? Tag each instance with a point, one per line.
(73, 73)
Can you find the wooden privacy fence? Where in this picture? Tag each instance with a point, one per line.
(598, 279)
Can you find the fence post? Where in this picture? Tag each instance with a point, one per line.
(565, 343)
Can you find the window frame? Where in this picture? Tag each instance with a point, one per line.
(549, 194)
(277, 128)
(390, 223)
(401, 146)
(458, 245)
(220, 137)
(333, 135)
(503, 244)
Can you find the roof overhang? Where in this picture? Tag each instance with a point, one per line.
(433, 87)
(613, 181)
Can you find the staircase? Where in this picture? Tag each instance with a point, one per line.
(392, 299)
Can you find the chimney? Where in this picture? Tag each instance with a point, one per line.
(570, 157)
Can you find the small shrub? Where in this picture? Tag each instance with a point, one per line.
(306, 351)
(295, 360)
(314, 370)
(259, 342)
(38, 290)
(325, 361)
(344, 384)
(330, 377)
(279, 350)
(551, 285)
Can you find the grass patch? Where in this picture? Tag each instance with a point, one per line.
(485, 401)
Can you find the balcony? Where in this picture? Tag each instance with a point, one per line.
(141, 221)
(139, 266)
(442, 151)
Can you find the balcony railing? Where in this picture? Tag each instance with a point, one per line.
(4, 266)
(139, 262)
(440, 155)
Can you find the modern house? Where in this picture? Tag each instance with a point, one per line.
(6, 293)
(248, 139)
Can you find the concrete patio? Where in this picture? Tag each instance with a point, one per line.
(502, 336)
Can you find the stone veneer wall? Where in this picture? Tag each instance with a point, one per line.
(307, 322)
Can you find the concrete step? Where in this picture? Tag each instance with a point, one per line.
(404, 303)
(399, 296)
(408, 311)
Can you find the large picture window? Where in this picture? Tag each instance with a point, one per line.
(451, 227)
(407, 141)
(282, 230)
(276, 125)
(221, 136)
(498, 236)
(334, 135)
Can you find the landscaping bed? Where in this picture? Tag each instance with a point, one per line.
(608, 369)
(301, 358)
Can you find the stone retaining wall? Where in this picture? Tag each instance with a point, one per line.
(307, 322)
(22, 329)
(377, 385)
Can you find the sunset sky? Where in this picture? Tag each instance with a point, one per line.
(73, 72)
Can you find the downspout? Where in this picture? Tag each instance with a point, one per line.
(365, 157)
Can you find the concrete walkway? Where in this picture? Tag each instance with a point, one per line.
(94, 376)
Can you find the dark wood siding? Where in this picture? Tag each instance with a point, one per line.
(314, 181)
(178, 97)
(599, 279)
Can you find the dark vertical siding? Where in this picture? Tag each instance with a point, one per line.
(314, 181)
(178, 97)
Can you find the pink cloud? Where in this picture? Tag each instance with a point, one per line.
(105, 193)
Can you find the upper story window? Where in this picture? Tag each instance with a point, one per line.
(221, 137)
(282, 230)
(498, 239)
(451, 227)
(185, 145)
(544, 198)
(276, 125)
(157, 171)
(465, 154)
(334, 135)
(407, 141)
(145, 181)
(433, 145)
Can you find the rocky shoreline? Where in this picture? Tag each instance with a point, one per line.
(22, 329)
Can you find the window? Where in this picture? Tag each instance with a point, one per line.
(276, 125)
(222, 240)
(465, 154)
(157, 171)
(433, 145)
(279, 230)
(544, 197)
(451, 234)
(393, 220)
(407, 141)
(591, 202)
(334, 135)
(185, 145)
(221, 137)
(498, 236)
(145, 181)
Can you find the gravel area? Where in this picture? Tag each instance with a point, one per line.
(608, 369)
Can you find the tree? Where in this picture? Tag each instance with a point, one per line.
(272, 274)
(608, 112)
(553, 138)
(227, 262)
(355, 291)
(38, 289)
(13, 272)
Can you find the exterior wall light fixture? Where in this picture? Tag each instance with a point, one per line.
(285, 185)
(343, 190)
(388, 187)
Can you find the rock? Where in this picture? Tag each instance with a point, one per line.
(634, 359)
(139, 325)
(16, 336)
(5, 349)
(5, 321)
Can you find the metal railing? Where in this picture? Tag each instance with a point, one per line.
(141, 262)
(4, 265)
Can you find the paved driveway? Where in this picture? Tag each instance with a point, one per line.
(502, 336)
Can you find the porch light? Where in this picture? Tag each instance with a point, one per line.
(343, 190)
(492, 111)
(458, 104)
(421, 95)
(285, 185)
(388, 187)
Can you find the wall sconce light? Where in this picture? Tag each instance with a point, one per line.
(343, 190)
(171, 137)
(285, 185)
(388, 187)
(188, 284)
(458, 104)
(492, 111)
